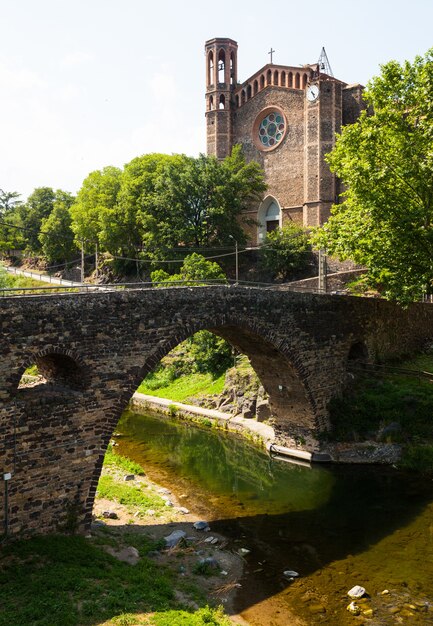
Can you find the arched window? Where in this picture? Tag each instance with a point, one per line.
(262, 81)
(269, 77)
(222, 102)
(211, 107)
(276, 76)
(297, 80)
(249, 92)
(304, 81)
(255, 87)
(237, 101)
(210, 68)
(221, 66)
(243, 96)
(268, 217)
(232, 68)
(290, 80)
(283, 79)
(272, 217)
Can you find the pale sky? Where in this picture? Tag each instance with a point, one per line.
(90, 83)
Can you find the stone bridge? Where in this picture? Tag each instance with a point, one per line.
(95, 348)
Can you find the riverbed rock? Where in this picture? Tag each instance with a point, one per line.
(110, 515)
(173, 538)
(263, 410)
(164, 491)
(129, 477)
(182, 510)
(210, 561)
(354, 609)
(356, 592)
(201, 525)
(290, 573)
(127, 555)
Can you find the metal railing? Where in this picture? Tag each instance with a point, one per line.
(379, 368)
(92, 288)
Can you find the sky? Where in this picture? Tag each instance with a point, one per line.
(90, 83)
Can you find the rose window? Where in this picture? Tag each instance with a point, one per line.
(271, 130)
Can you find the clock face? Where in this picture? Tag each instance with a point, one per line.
(313, 93)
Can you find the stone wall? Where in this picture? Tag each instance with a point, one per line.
(94, 349)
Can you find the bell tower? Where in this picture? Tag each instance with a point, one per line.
(221, 81)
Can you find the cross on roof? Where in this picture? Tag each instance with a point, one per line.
(271, 52)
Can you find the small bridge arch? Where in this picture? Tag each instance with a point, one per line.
(53, 438)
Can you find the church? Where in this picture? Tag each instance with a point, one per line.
(285, 118)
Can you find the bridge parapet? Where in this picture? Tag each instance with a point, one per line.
(95, 348)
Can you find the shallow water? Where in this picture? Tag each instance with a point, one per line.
(336, 525)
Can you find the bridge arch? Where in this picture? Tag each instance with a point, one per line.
(53, 443)
(276, 363)
(57, 366)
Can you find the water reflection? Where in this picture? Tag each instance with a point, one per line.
(337, 525)
(223, 465)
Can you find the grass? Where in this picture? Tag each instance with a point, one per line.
(180, 389)
(73, 581)
(68, 581)
(117, 461)
(127, 494)
(390, 408)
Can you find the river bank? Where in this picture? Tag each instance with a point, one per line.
(200, 562)
(262, 434)
(337, 525)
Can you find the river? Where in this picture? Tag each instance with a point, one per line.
(338, 526)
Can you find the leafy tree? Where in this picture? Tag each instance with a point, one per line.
(94, 211)
(198, 201)
(195, 267)
(287, 250)
(37, 208)
(8, 201)
(203, 351)
(123, 228)
(12, 237)
(56, 235)
(385, 161)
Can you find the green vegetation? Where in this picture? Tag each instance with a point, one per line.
(392, 408)
(181, 389)
(194, 267)
(203, 617)
(127, 494)
(114, 460)
(17, 282)
(71, 581)
(385, 161)
(287, 250)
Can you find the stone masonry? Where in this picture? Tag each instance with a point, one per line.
(94, 349)
(300, 183)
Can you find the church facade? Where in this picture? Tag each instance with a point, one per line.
(286, 119)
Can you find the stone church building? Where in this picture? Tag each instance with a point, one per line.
(285, 118)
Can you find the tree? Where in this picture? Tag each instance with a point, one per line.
(124, 231)
(199, 201)
(286, 250)
(37, 208)
(56, 235)
(94, 211)
(195, 267)
(203, 351)
(8, 201)
(385, 161)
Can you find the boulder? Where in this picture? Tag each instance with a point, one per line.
(173, 539)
